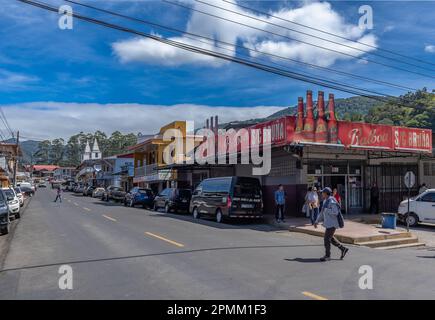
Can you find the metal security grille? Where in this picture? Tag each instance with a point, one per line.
(389, 178)
(283, 166)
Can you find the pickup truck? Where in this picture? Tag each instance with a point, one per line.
(113, 193)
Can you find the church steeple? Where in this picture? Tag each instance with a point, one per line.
(96, 153)
(87, 154)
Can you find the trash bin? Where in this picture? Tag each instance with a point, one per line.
(388, 220)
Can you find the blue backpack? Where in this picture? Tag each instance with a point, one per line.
(340, 218)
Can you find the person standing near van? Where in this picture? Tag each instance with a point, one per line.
(58, 194)
(280, 203)
(330, 218)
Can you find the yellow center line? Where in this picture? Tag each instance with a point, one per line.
(164, 239)
(110, 218)
(313, 296)
(87, 209)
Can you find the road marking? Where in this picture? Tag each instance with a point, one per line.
(313, 296)
(76, 204)
(87, 209)
(110, 218)
(164, 239)
(69, 200)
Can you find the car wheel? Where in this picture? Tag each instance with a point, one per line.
(5, 230)
(125, 203)
(17, 215)
(155, 207)
(412, 219)
(167, 208)
(131, 204)
(219, 216)
(195, 213)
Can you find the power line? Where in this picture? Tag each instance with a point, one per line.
(297, 40)
(310, 35)
(211, 53)
(328, 33)
(171, 29)
(5, 122)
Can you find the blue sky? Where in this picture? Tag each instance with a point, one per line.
(72, 73)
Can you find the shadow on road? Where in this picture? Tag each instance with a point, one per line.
(307, 260)
(153, 255)
(253, 224)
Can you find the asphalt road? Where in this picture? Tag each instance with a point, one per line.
(131, 253)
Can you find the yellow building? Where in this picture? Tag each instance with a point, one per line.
(149, 161)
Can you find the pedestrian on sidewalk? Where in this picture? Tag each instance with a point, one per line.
(374, 199)
(58, 194)
(312, 201)
(422, 188)
(330, 218)
(336, 196)
(280, 203)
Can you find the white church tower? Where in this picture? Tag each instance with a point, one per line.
(96, 153)
(87, 154)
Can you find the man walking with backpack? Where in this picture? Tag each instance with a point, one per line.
(332, 220)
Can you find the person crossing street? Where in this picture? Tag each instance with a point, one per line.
(330, 216)
(58, 194)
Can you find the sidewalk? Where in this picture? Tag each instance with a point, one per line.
(357, 233)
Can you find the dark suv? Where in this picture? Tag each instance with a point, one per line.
(228, 197)
(142, 196)
(173, 199)
(4, 214)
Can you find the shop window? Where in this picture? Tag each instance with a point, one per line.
(427, 169)
(314, 169)
(354, 169)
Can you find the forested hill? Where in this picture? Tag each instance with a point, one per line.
(415, 109)
(346, 108)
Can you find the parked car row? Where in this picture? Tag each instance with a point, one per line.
(11, 201)
(220, 198)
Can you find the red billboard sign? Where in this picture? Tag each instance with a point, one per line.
(412, 139)
(349, 134)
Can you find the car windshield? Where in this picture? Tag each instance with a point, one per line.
(9, 193)
(144, 191)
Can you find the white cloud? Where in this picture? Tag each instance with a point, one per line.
(319, 15)
(430, 48)
(56, 119)
(15, 81)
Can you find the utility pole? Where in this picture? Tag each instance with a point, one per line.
(16, 159)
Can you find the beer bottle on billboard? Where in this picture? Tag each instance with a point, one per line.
(321, 134)
(299, 120)
(309, 120)
(332, 122)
